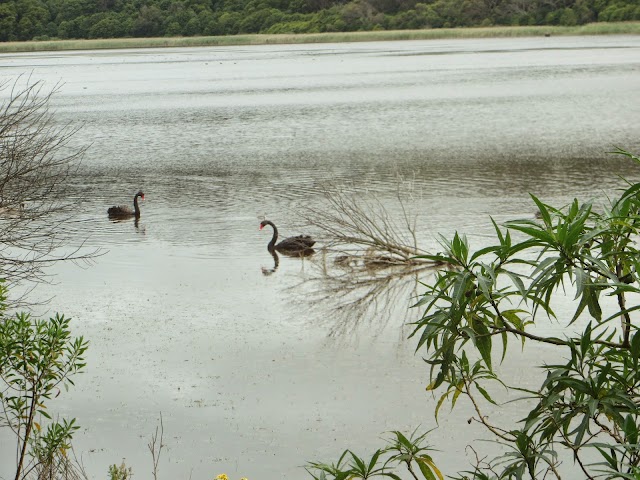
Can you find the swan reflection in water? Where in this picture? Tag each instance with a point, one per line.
(276, 261)
(307, 252)
(140, 228)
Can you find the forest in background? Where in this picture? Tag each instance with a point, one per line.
(22, 20)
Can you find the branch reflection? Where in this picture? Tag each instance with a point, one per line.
(351, 293)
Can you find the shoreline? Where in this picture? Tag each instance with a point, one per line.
(622, 28)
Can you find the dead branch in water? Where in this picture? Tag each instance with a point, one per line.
(364, 230)
(370, 268)
(155, 447)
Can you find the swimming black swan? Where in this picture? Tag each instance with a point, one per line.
(291, 244)
(123, 211)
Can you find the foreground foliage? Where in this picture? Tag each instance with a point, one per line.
(401, 450)
(587, 405)
(37, 360)
(585, 415)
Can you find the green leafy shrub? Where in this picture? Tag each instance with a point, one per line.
(37, 360)
(588, 403)
(120, 472)
(587, 408)
(401, 451)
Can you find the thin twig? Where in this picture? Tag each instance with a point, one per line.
(155, 447)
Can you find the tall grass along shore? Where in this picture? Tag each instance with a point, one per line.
(623, 28)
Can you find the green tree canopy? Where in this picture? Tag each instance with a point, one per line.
(32, 19)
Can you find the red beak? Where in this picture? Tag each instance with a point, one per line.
(260, 227)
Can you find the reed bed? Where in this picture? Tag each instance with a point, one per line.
(623, 28)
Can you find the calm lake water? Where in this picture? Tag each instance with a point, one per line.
(256, 374)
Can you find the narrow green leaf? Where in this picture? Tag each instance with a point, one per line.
(440, 402)
(425, 469)
(517, 281)
(374, 460)
(534, 232)
(630, 430)
(635, 345)
(485, 394)
(456, 393)
(428, 462)
(483, 342)
(542, 208)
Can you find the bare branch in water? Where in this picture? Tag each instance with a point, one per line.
(362, 228)
(155, 447)
(368, 272)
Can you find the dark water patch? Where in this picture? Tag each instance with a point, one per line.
(519, 50)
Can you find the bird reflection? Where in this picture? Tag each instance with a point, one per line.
(307, 252)
(276, 261)
(361, 293)
(139, 227)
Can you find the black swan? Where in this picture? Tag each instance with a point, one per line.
(291, 244)
(123, 211)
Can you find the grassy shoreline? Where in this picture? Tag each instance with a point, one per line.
(623, 28)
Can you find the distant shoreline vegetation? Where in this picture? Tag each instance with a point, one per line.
(622, 28)
(43, 20)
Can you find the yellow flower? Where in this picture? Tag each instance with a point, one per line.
(222, 476)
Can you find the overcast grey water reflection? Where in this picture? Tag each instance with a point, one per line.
(251, 378)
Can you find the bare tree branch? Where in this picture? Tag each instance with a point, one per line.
(363, 227)
(36, 162)
(155, 447)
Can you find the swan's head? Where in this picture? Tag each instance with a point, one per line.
(263, 224)
(140, 194)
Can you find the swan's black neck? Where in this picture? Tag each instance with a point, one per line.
(136, 208)
(272, 243)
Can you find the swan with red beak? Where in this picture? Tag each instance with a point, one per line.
(292, 244)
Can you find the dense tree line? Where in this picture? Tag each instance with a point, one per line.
(43, 19)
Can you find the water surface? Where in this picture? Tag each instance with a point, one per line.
(255, 374)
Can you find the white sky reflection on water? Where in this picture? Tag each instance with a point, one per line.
(180, 317)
